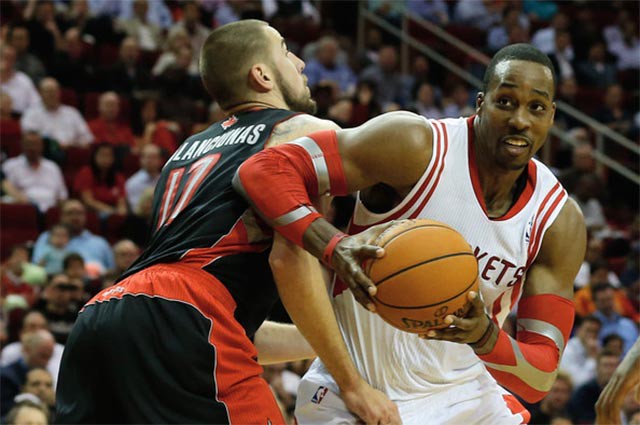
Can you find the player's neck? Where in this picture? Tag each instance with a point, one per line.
(256, 104)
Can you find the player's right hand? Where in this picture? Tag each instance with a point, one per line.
(348, 257)
(370, 405)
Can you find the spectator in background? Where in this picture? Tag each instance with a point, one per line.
(36, 179)
(56, 249)
(457, 104)
(148, 34)
(71, 67)
(37, 351)
(158, 13)
(478, 14)
(58, 304)
(190, 22)
(612, 322)
(585, 194)
(18, 38)
(44, 29)
(625, 46)
(33, 321)
(10, 131)
(58, 122)
(596, 71)
(614, 114)
(28, 412)
(177, 39)
(545, 38)
(582, 404)
(15, 83)
(99, 185)
(147, 176)
(40, 384)
(567, 92)
(107, 127)
(579, 358)
(582, 164)
(128, 75)
(73, 266)
(324, 67)
(391, 85)
(149, 129)
(425, 102)
(613, 343)
(562, 56)
(601, 274)
(364, 103)
(498, 35)
(94, 249)
(14, 279)
(435, 11)
(554, 403)
(126, 252)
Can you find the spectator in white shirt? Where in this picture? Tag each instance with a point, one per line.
(59, 122)
(37, 180)
(579, 358)
(150, 166)
(15, 83)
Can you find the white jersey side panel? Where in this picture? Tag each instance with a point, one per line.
(400, 363)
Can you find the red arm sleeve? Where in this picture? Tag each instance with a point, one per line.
(279, 182)
(528, 366)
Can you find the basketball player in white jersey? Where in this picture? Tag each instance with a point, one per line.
(476, 174)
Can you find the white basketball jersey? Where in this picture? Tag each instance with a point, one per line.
(400, 363)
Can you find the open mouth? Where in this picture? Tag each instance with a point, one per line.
(515, 141)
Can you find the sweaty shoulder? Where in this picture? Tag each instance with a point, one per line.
(299, 126)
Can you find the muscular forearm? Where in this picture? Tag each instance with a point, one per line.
(304, 294)
(281, 342)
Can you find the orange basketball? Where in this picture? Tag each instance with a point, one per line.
(425, 275)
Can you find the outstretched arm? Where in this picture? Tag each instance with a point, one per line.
(394, 148)
(281, 342)
(624, 379)
(528, 365)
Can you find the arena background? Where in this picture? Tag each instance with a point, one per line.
(363, 59)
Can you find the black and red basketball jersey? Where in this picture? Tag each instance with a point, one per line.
(198, 218)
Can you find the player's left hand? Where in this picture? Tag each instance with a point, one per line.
(464, 330)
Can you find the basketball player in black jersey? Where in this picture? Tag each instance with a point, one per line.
(179, 337)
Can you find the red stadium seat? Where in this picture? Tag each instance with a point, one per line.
(10, 138)
(69, 97)
(107, 55)
(115, 226)
(19, 224)
(130, 164)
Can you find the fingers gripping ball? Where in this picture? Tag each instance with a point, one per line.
(426, 272)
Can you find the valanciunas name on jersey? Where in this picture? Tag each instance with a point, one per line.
(242, 135)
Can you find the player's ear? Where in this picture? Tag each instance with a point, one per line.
(260, 78)
(479, 101)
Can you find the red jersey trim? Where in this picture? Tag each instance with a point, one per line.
(440, 147)
(536, 242)
(524, 197)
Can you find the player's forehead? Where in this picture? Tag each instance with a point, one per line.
(273, 36)
(530, 77)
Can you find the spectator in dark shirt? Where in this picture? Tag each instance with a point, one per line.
(59, 307)
(18, 38)
(614, 114)
(554, 403)
(44, 30)
(71, 66)
(582, 404)
(596, 71)
(391, 85)
(37, 350)
(128, 74)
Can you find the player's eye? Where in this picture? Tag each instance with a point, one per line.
(538, 107)
(505, 101)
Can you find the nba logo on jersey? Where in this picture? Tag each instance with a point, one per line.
(527, 234)
(229, 122)
(319, 395)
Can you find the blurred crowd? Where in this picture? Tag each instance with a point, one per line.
(96, 94)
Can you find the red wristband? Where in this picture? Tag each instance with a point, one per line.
(331, 246)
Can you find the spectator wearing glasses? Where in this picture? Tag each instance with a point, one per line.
(59, 304)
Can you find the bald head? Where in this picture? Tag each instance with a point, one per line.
(109, 106)
(37, 347)
(125, 253)
(50, 92)
(33, 321)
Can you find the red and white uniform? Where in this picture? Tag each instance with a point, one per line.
(443, 379)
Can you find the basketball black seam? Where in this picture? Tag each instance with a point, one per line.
(429, 305)
(420, 264)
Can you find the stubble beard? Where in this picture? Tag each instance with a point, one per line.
(302, 103)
